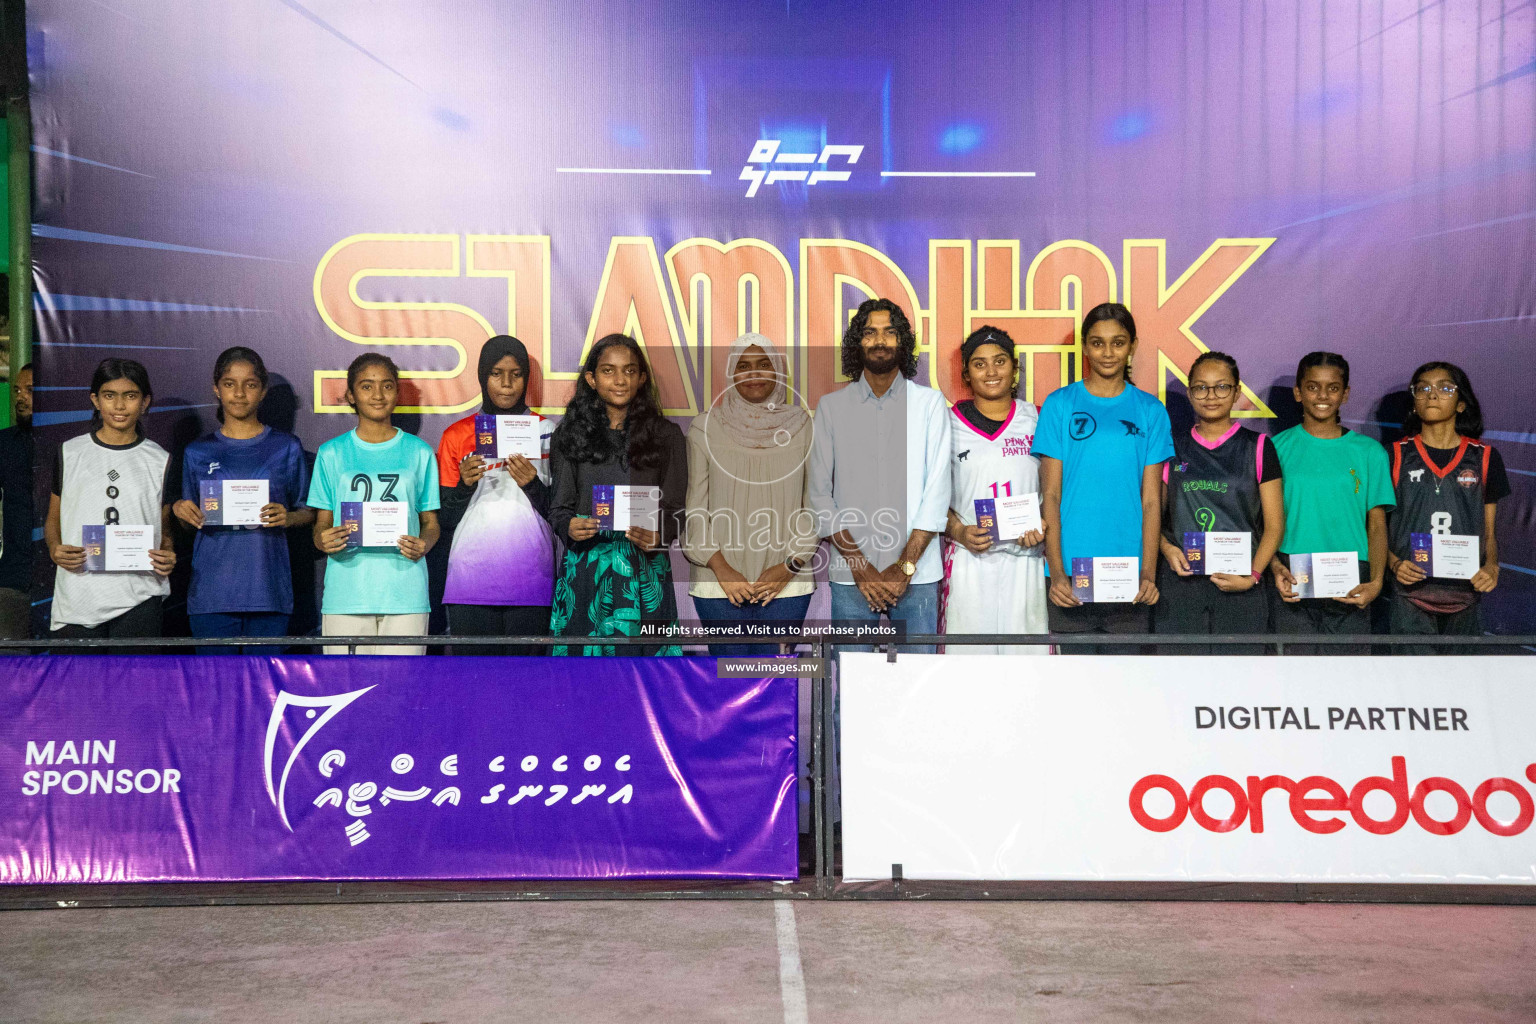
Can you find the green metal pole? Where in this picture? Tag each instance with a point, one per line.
(19, 121)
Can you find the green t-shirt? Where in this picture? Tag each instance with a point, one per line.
(1330, 485)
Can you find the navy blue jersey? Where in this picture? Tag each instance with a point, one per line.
(244, 568)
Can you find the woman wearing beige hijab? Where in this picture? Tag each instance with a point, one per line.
(750, 534)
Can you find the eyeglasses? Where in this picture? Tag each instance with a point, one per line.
(1425, 390)
(1221, 390)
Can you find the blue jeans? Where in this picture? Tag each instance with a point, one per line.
(781, 611)
(918, 608)
(216, 624)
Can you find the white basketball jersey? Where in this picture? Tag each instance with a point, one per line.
(99, 484)
(999, 466)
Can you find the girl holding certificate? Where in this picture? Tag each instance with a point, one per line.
(1101, 444)
(749, 534)
(375, 498)
(613, 436)
(1338, 490)
(501, 562)
(1442, 554)
(993, 584)
(1223, 516)
(241, 487)
(109, 527)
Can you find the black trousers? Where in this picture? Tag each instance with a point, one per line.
(1193, 605)
(1320, 616)
(498, 620)
(144, 619)
(1109, 618)
(1404, 618)
(15, 618)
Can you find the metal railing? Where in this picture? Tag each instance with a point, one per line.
(1277, 641)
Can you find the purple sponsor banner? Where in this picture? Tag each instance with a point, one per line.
(126, 769)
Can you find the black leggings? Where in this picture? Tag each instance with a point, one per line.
(144, 619)
(1194, 604)
(498, 620)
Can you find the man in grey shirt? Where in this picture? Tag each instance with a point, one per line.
(880, 477)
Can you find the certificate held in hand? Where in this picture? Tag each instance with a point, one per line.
(1008, 519)
(497, 437)
(1448, 556)
(617, 508)
(233, 502)
(119, 548)
(375, 524)
(1106, 580)
(1325, 573)
(1212, 553)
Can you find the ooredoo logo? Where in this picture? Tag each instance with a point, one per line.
(1331, 799)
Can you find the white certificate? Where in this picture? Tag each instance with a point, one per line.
(1116, 579)
(636, 506)
(518, 435)
(1454, 556)
(127, 548)
(1229, 553)
(384, 523)
(243, 501)
(1018, 516)
(1326, 573)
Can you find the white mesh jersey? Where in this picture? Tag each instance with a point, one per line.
(1002, 590)
(100, 484)
(1000, 466)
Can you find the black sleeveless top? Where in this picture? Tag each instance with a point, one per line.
(1438, 499)
(1215, 488)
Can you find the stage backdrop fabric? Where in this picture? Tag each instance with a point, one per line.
(1189, 769)
(220, 768)
(316, 178)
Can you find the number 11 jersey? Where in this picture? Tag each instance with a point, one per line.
(1003, 589)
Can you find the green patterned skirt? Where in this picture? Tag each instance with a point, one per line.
(612, 588)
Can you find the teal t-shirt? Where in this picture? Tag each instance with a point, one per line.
(375, 581)
(1330, 485)
(1104, 444)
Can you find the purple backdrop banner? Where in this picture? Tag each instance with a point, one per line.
(221, 768)
(317, 178)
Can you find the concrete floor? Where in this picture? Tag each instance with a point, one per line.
(720, 961)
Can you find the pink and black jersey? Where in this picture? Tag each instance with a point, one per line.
(1213, 486)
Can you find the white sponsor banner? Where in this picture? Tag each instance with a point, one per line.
(1288, 769)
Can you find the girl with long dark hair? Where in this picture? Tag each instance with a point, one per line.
(1101, 443)
(111, 476)
(241, 580)
(613, 434)
(1448, 484)
(501, 564)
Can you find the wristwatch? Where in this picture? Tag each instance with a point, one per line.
(794, 565)
(907, 568)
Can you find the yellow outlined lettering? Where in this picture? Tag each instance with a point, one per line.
(1165, 318)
